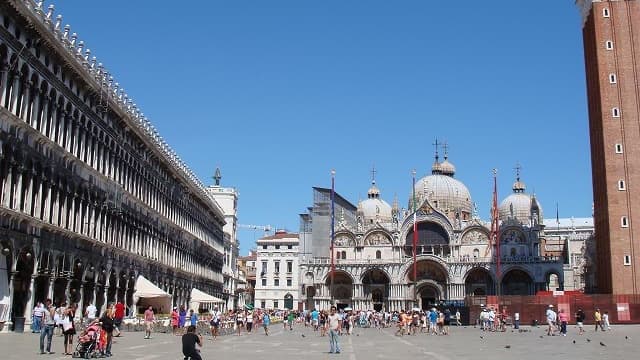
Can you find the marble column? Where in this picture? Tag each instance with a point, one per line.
(30, 304)
(52, 280)
(80, 308)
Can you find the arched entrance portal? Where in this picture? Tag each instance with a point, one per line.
(479, 283)
(342, 288)
(430, 283)
(288, 301)
(428, 296)
(517, 282)
(375, 285)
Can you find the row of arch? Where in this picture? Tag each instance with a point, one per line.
(67, 114)
(90, 276)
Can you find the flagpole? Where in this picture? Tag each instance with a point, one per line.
(496, 230)
(333, 265)
(415, 239)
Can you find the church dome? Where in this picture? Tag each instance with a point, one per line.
(447, 168)
(516, 206)
(519, 205)
(444, 193)
(375, 209)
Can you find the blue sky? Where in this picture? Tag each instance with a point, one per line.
(277, 93)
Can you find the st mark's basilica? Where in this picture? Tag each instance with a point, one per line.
(373, 247)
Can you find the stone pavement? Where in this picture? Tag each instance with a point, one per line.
(463, 343)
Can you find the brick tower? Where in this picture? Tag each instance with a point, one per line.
(611, 33)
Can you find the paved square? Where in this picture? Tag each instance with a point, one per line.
(463, 343)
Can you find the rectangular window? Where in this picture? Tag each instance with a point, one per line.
(613, 78)
(289, 247)
(609, 45)
(618, 148)
(264, 268)
(276, 282)
(264, 247)
(277, 267)
(263, 304)
(624, 222)
(605, 12)
(275, 304)
(277, 247)
(621, 185)
(627, 260)
(264, 282)
(615, 112)
(289, 282)
(289, 267)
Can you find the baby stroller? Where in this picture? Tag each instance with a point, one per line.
(89, 342)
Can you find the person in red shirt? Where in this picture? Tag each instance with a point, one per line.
(118, 316)
(563, 318)
(149, 318)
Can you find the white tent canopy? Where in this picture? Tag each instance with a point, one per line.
(147, 294)
(199, 297)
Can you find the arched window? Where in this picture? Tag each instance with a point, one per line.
(344, 254)
(513, 251)
(378, 254)
(476, 253)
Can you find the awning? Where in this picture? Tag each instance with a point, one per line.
(147, 294)
(199, 297)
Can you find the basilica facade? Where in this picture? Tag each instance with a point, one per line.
(373, 248)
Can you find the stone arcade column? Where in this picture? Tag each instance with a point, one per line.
(52, 281)
(30, 304)
(79, 310)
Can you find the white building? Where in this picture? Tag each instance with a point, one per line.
(574, 238)
(227, 198)
(277, 272)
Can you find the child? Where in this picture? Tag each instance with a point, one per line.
(605, 320)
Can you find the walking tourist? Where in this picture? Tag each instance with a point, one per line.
(183, 316)
(516, 320)
(149, 318)
(249, 321)
(175, 319)
(551, 320)
(118, 317)
(69, 329)
(193, 318)
(605, 320)
(334, 324)
(563, 318)
(189, 341)
(580, 316)
(597, 317)
(90, 313)
(266, 321)
(48, 325)
(239, 321)
(215, 322)
(107, 323)
(36, 318)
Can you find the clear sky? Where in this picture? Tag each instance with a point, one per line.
(277, 93)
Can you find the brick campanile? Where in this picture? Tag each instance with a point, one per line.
(611, 34)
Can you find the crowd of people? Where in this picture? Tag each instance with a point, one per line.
(49, 320)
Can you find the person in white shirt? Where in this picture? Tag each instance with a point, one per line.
(334, 324)
(551, 320)
(516, 320)
(91, 313)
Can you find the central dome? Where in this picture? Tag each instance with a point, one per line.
(374, 209)
(444, 193)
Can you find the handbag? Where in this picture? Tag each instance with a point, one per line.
(66, 324)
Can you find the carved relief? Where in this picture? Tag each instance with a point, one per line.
(475, 237)
(377, 239)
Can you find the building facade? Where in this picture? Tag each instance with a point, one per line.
(573, 239)
(277, 271)
(611, 32)
(373, 249)
(247, 266)
(227, 198)
(91, 196)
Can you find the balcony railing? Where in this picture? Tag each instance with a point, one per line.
(449, 259)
